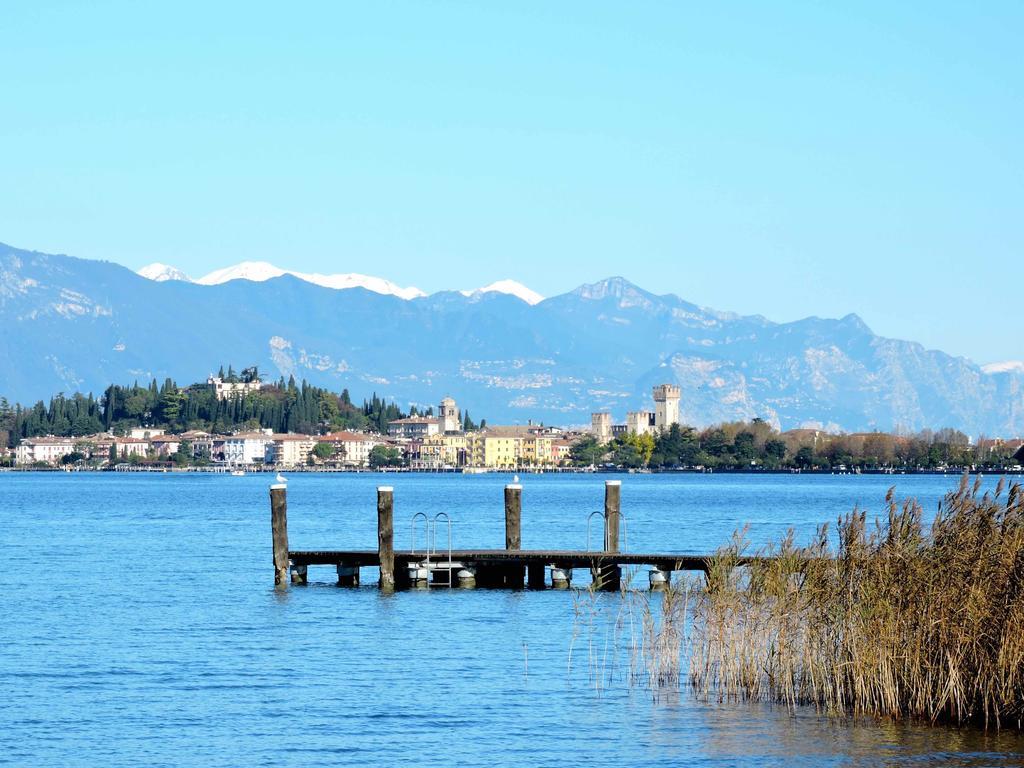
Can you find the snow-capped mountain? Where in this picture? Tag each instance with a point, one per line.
(259, 271)
(160, 272)
(1009, 366)
(510, 287)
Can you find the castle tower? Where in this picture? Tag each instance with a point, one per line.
(666, 406)
(601, 426)
(449, 416)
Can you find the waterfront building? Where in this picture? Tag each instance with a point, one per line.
(246, 447)
(351, 449)
(449, 416)
(200, 443)
(144, 433)
(414, 427)
(288, 450)
(165, 445)
(601, 426)
(441, 451)
(131, 446)
(560, 451)
(666, 406)
(47, 449)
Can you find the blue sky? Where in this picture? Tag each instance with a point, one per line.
(786, 159)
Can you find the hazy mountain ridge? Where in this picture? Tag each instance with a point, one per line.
(76, 324)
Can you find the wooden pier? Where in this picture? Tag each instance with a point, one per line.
(511, 567)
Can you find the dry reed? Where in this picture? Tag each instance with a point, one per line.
(901, 619)
(897, 619)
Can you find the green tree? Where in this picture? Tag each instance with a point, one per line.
(587, 451)
(804, 457)
(323, 451)
(384, 456)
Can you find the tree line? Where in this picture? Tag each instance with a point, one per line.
(283, 406)
(756, 445)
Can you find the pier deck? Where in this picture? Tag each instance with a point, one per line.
(562, 558)
(511, 566)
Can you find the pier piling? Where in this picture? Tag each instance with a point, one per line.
(512, 575)
(348, 575)
(279, 530)
(612, 514)
(513, 516)
(386, 536)
(609, 576)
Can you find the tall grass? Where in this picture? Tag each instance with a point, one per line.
(899, 619)
(894, 619)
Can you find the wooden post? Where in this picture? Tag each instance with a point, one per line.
(512, 575)
(386, 536)
(535, 575)
(612, 514)
(513, 516)
(279, 530)
(348, 575)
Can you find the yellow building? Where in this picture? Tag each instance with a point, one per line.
(493, 449)
(537, 450)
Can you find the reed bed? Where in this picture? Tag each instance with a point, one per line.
(895, 618)
(899, 619)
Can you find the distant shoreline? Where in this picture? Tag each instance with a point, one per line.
(951, 472)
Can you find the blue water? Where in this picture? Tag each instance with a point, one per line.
(141, 627)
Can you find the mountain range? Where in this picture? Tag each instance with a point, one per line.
(502, 351)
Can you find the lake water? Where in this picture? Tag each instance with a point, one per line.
(142, 628)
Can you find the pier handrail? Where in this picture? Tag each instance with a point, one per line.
(426, 532)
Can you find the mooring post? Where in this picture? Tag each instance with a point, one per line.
(513, 516)
(612, 514)
(279, 530)
(512, 575)
(609, 575)
(386, 535)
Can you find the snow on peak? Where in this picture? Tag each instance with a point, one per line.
(510, 287)
(258, 271)
(160, 272)
(1009, 366)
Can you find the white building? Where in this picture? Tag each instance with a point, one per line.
(351, 448)
(247, 448)
(144, 433)
(228, 389)
(48, 449)
(414, 428)
(131, 446)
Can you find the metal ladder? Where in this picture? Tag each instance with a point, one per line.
(430, 544)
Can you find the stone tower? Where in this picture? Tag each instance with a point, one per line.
(449, 416)
(601, 426)
(666, 406)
